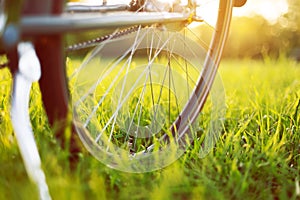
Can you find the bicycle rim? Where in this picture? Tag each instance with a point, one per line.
(136, 97)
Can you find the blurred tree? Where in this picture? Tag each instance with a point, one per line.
(255, 37)
(293, 16)
(290, 23)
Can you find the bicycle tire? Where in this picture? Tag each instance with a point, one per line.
(53, 82)
(100, 134)
(122, 139)
(49, 49)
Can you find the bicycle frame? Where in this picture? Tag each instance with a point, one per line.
(81, 22)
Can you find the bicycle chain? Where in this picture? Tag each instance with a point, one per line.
(96, 41)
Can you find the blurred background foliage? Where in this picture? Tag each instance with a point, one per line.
(255, 37)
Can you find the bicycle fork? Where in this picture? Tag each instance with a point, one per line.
(29, 71)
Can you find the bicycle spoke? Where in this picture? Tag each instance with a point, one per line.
(135, 45)
(100, 79)
(110, 87)
(125, 98)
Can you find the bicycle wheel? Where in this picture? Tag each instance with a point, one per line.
(136, 96)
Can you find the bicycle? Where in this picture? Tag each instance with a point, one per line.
(136, 111)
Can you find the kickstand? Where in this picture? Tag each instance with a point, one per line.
(29, 71)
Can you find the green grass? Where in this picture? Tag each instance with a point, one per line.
(258, 156)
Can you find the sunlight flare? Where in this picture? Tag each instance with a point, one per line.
(271, 10)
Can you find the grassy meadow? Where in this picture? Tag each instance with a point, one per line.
(257, 157)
